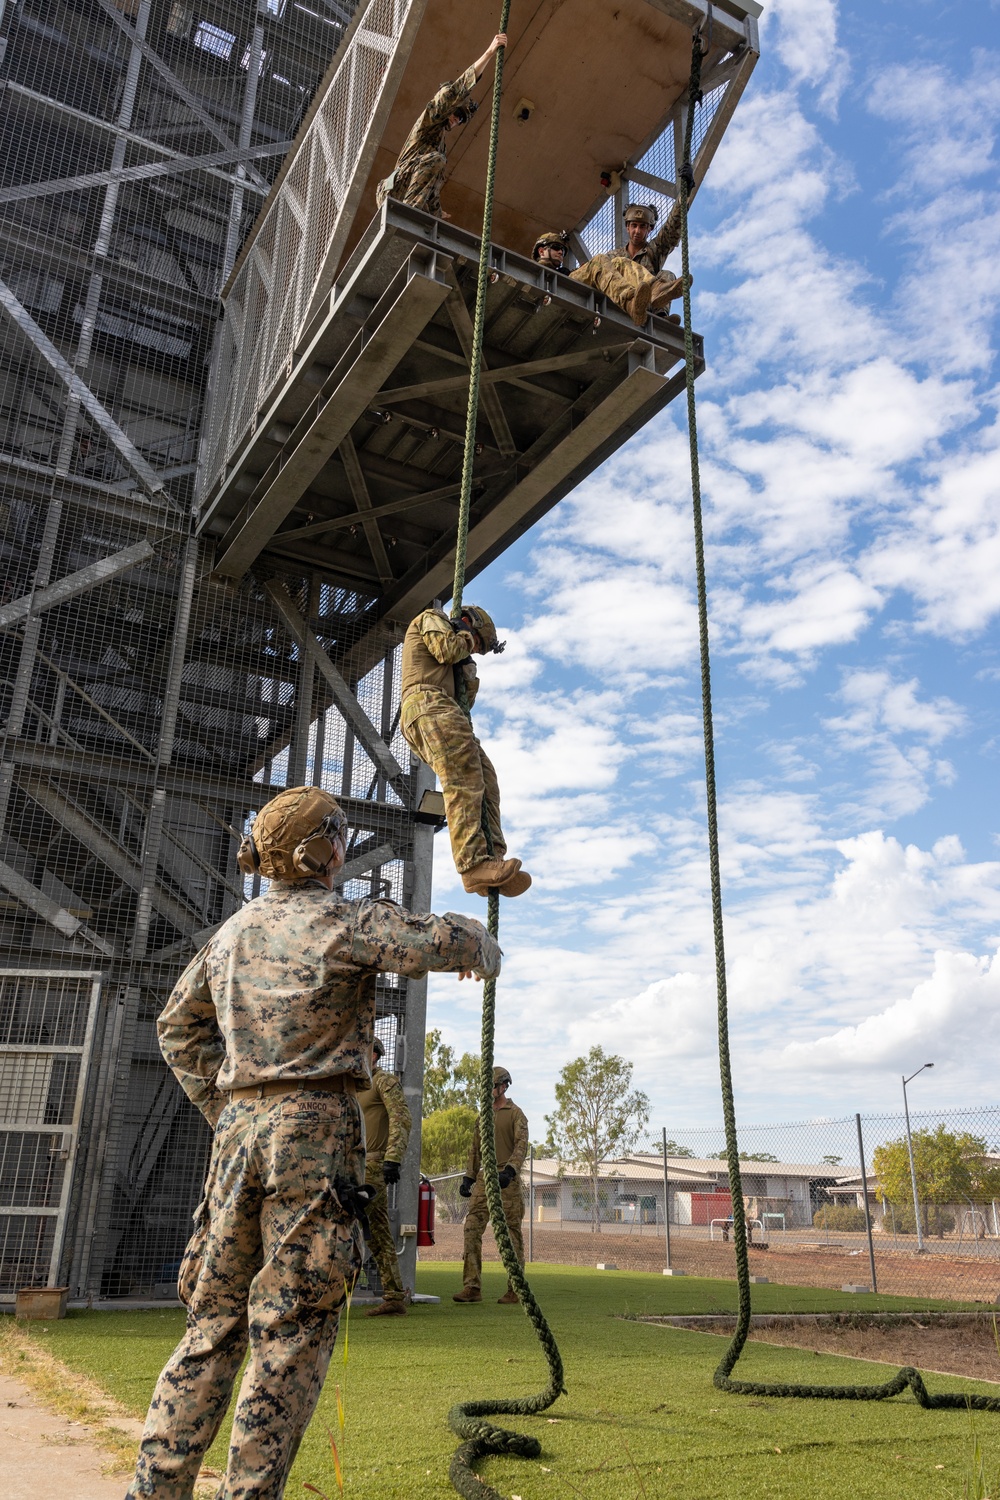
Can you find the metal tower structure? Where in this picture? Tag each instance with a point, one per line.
(230, 448)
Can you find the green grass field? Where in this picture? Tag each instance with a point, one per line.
(641, 1417)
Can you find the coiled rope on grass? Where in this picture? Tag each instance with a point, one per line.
(906, 1377)
(468, 1419)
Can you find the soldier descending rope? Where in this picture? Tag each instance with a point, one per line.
(437, 659)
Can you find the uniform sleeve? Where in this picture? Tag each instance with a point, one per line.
(669, 237)
(390, 1091)
(190, 1039)
(395, 941)
(446, 645)
(474, 1160)
(519, 1154)
(449, 96)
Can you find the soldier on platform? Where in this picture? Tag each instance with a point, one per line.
(549, 250)
(510, 1126)
(420, 166)
(631, 276)
(437, 655)
(269, 1032)
(387, 1131)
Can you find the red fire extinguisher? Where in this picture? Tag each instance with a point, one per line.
(425, 1212)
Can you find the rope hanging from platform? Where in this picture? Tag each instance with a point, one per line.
(467, 1419)
(906, 1377)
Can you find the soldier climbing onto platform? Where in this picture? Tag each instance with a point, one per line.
(420, 167)
(437, 653)
(269, 1032)
(631, 276)
(387, 1131)
(510, 1126)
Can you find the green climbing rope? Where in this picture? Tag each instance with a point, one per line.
(467, 1419)
(723, 1375)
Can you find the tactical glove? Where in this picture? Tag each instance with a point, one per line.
(390, 1172)
(465, 1189)
(507, 1175)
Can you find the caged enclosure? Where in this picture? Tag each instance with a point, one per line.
(230, 454)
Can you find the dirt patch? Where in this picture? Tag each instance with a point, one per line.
(944, 1345)
(901, 1273)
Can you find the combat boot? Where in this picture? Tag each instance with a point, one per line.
(468, 1294)
(664, 292)
(504, 873)
(638, 307)
(386, 1309)
(509, 1296)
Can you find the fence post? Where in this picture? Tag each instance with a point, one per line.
(531, 1203)
(868, 1216)
(666, 1199)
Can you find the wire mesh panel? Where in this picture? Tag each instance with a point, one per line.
(46, 1033)
(860, 1204)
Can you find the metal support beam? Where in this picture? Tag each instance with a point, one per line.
(373, 354)
(372, 742)
(515, 372)
(90, 577)
(80, 392)
(180, 89)
(391, 508)
(362, 499)
(370, 860)
(175, 166)
(488, 398)
(50, 911)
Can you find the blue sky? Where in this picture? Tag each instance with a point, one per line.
(846, 251)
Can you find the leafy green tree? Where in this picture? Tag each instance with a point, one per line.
(444, 1146)
(448, 1083)
(834, 1161)
(744, 1156)
(951, 1168)
(598, 1115)
(673, 1149)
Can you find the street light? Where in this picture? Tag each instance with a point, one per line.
(909, 1148)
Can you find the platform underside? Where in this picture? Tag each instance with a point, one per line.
(354, 463)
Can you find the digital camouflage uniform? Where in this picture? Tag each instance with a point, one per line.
(617, 275)
(420, 167)
(387, 1131)
(284, 991)
(435, 727)
(510, 1125)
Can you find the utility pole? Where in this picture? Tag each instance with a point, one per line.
(909, 1148)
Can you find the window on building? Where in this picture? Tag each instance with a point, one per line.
(214, 40)
(550, 1198)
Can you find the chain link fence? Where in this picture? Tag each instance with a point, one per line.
(860, 1204)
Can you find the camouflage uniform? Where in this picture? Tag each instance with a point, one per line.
(617, 275)
(283, 993)
(421, 164)
(387, 1131)
(435, 727)
(511, 1127)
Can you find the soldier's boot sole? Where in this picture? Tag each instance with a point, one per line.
(664, 293)
(641, 297)
(490, 872)
(468, 1295)
(386, 1310)
(517, 884)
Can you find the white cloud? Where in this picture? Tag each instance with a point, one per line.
(807, 45)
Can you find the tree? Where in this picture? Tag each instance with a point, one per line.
(951, 1168)
(448, 1083)
(834, 1161)
(597, 1115)
(744, 1156)
(673, 1149)
(445, 1140)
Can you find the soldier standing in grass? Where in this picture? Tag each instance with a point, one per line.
(510, 1126)
(420, 166)
(387, 1131)
(437, 656)
(269, 1032)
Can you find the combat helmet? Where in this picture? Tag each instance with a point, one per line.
(378, 1048)
(292, 836)
(500, 1075)
(484, 627)
(646, 213)
(551, 239)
